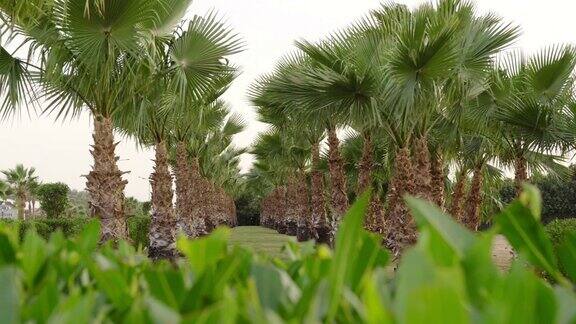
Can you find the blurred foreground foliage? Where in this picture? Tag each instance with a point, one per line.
(447, 277)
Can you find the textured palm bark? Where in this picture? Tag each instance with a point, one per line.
(474, 201)
(291, 214)
(437, 172)
(21, 204)
(280, 210)
(209, 200)
(303, 208)
(337, 179)
(366, 165)
(269, 212)
(400, 230)
(520, 174)
(105, 184)
(230, 211)
(183, 180)
(375, 218)
(198, 202)
(365, 180)
(221, 206)
(163, 221)
(320, 225)
(457, 206)
(422, 176)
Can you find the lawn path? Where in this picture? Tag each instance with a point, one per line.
(269, 242)
(261, 240)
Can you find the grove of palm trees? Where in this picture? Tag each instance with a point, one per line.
(392, 138)
(418, 101)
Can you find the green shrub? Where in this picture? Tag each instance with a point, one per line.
(447, 277)
(558, 199)
(559, 229)
(247, 210)
(138, 226)
(41, 228)
(53, 198)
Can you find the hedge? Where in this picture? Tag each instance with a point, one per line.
(558, 231)
(558, 197)
(137, 226)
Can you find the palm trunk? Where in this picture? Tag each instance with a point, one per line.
(400, 229)
(337, 178)
(183, 189)
(375, 220)
(206, 206)
(521, 174)
(21, 204)
(291, 207)
(199, 203)
(320, 227)
(105, 184)
(233, 213)
(474, 201)
(366, 165)
(280, 210)
(163, 221)
(458, 195)
(221, 205)
(304, 221)
(273, 209)
(423, 178)
(437, 172)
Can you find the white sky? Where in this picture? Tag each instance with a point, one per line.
(59, 150)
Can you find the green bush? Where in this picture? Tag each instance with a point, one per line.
(558, 199)
(447, 277)
(53, 198)
(559, 231)
(138, 226)
(247, 210)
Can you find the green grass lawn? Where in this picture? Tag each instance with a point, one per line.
(260, 240)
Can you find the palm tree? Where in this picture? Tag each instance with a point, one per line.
(529, 100)
(224, 171)
(20, 180)
(32, 195)
(300, 134)
(150, 126)
(271, 170)
(292, 87)
(159, 106)
(5, 190)
(218, 159)
(397, 69)
(354, 154)
(89, 54)
(190, 125)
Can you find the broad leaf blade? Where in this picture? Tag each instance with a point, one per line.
(527, 236)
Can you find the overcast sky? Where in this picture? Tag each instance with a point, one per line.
(59, 151)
